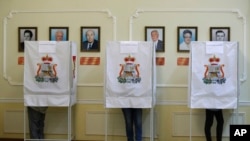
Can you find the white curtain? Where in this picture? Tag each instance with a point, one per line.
(129, 75)
(213, 81)
(48, 77)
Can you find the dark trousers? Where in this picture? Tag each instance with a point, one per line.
(36, 123)
(133, 120)
(209, 122)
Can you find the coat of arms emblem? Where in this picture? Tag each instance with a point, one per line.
(214, 72)
(129, 72)
(46, 71)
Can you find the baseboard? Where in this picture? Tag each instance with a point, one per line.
(9, 139)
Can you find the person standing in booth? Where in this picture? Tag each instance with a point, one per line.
(37, 115)
(132, 114)
(210, 113)
(217, 113)
(133, 123)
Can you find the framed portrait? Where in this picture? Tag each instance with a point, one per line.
(185, 35)
(26, 34)
(90, 39)
(219, 33)
(156, 34)
(58, 33)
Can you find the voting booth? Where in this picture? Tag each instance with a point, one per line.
(50, 77)
(213, 76)
(214, 80)
(130, 77)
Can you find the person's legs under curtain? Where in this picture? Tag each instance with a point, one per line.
(137, 116)
(220, 123)
(36, 123)
(208, 124)
(127, 113)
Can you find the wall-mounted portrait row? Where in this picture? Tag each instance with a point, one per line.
(90, 37)
(185, 34)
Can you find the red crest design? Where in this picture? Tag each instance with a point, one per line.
(214, 72)
(46, 71)
(129, 72)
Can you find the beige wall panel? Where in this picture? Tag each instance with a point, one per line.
(186, 123)
(172, 113)
(56, 121)
(89, 122)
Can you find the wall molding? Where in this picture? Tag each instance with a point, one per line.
(235, 11)
(136, 14)
(157, 85)
(101, 101)
(14, 12)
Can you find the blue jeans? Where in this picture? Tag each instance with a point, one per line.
(36, 123)
(133, 120)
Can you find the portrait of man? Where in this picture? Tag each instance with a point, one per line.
(90, 39)
(185, 36)
(219, 33)
(26, 34)
(156, 35)
(58, 33)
